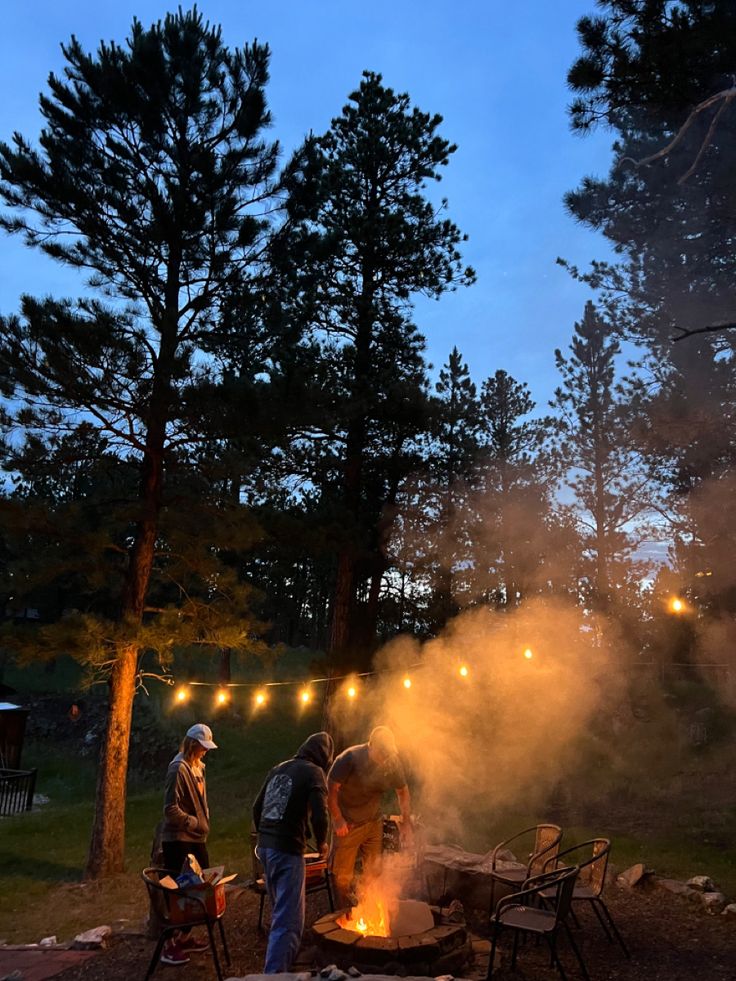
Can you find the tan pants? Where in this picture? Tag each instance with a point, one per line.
(365, 840)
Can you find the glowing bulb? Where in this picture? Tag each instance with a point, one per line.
(182, 694)
(351, 693)
(222, 697)
(260, 698)
(463, 670)
(305, 696)
(528, 654)
(407, 682)
(677, 605)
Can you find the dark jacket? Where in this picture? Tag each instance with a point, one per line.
(186, 815)
(294, 792)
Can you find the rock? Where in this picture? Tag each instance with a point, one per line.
(327, 971)
(714, 902)
(455, 912)
(91, 939)
(353, 971)
(632, 876)
(444, 977)
(677, 888)
(47, 942)
(702, 883)
(730, 910)
(336, 974)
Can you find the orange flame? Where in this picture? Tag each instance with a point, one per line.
(369, 917)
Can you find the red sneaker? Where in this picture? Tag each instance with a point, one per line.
(193, 944)
(174, 955)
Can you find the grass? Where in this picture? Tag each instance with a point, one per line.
(42, 853)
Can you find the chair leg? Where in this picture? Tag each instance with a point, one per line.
(494, 941)
(157, 952)
(514, 949)
(328, 885)
(599, 902)
(224, 942)
(213, 948)
(599, 917)
(556, 962)
(576, 951)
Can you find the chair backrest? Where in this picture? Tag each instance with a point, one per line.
(159, 895)
(592, 868)
(547, 840)
(564, 887)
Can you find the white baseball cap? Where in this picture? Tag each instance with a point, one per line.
(203, 735)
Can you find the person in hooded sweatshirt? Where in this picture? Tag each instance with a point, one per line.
(293, 795)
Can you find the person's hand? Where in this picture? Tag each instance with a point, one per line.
(324, 850)
(341, 827)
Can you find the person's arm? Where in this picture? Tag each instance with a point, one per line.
(339, 824)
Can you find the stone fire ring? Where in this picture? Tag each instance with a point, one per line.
(444, 949)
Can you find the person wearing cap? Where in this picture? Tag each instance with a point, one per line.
(293, 795)
(186, 824)
(356, 783)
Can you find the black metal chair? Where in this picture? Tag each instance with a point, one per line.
(541, 908)
(590, 881)
(318, 878)
(544, 840)
(165, 905)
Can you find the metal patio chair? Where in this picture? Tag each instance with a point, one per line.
(531, 912)
(164, 903)
(590, 881)
(318, 878)
(544, 840)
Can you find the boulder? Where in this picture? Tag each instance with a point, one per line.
(676, 888)
(92, 939)
(729, 910)
(47, 942)
(632, 876)
(714, 902)
(702, 883)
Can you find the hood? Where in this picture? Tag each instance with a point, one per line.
(318, 748)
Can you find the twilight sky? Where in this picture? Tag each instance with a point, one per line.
(494, 70)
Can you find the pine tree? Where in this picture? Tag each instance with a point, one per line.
(150, 177)
(371, 240)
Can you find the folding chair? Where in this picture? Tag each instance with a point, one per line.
(318, 878)
(166, 905)
(544, 846)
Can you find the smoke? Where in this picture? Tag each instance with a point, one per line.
(501, 736)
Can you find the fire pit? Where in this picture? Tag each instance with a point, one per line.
(417, 940)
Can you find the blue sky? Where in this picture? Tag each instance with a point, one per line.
(495, 71)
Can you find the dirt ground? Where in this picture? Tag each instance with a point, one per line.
(669, 938)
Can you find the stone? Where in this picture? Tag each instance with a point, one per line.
(336, 975)
(676, 887)
(47, 942)
(92, 939)
(327, 971)
(714, 902)
(632, 876)
(729, 910)
(702, 883)
(354, 972)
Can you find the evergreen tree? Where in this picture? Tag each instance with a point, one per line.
(150, 177)
(371, 240)
(596, 453)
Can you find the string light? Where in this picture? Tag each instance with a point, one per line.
(407, 682)
(351, 691)
(528, 654)
(260, 699)
(677, 605)
(182, 694)
(222, 697)
(305, 696)
(463, 671)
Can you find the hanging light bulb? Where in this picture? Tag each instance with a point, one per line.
(182, 694)
(260, 699)
(351, 691)
(407, 682)
(677, 605)
(305, 696)
(222, 697)
(528, 654)
(463, 671)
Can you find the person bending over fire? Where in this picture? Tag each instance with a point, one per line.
(359, 778)
(293, 793)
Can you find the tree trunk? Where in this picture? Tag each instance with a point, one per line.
(107, 847)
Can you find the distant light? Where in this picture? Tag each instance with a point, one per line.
(704, 572)
(463, 671)
(305, 696)
(260, 698)
(528, 654)
(182, 694)
(222, 697)
(407, 682)
(677, 605)
(351, 692)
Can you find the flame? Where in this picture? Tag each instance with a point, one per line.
(370, 917)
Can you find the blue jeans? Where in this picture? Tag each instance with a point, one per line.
(285, 877)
